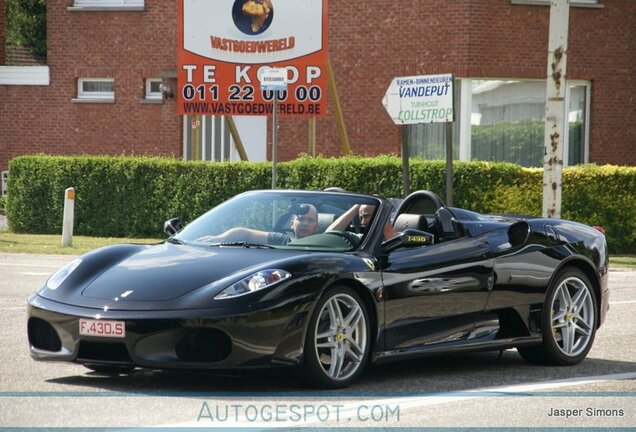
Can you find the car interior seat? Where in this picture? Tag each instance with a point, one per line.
(408, 220)
(324, 220)
(421, 202)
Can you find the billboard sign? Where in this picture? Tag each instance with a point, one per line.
(420, 99)
(225, 45)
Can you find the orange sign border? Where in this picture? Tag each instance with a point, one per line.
(223, 95)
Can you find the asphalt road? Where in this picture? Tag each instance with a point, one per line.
(477, 390)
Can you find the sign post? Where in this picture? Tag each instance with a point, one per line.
(449, 164)
(422, 99)
(274, 80)
(69, 217)
(406, 178)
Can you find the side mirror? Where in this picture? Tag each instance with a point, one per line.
(172, 226)
(408, 238)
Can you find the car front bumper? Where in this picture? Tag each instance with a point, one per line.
(171, 339)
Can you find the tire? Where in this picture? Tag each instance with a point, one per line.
(110, 370)
(339, 328)
(568, 322)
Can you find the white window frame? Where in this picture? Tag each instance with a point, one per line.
(149, 94)
(573, 3)
(108, 3)
(95, 96)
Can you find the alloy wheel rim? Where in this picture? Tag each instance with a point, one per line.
(572, 316)
(340, 337)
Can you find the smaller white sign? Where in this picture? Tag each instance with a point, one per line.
(420, 99)
(273, 79)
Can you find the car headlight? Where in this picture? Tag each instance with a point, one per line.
(253, 282)
(60, 275)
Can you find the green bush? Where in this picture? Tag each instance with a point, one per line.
(132, 196)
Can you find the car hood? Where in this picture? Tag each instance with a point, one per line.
(158, 276)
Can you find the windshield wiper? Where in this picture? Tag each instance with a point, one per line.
(245, 245)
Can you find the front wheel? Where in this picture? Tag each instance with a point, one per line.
(338, 340)
(569, 321)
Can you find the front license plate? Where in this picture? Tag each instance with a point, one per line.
(102, 328)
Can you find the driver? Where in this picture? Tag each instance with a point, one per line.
(304, 223)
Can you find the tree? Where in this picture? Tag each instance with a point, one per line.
(26, 25)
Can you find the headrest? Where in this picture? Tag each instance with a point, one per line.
(408, 220)
(446, 228)
(324, 220)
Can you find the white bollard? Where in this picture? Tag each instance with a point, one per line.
(69, 215)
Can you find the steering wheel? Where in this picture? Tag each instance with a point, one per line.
(352, 240)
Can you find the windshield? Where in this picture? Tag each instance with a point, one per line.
(287, 220)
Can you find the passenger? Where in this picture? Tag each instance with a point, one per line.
(365, 214)
(304, 223)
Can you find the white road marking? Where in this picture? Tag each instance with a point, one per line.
(420, 401)
(13, 308)
(30, 265)
(35, 273)
(349, 410)
(623, 302)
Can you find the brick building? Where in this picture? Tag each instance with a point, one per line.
(107, 59)
(2, 33)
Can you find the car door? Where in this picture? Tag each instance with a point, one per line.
(434, 293)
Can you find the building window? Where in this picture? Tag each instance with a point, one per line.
(153, 89)
(504, 121)
(581, 3)
(96, 88)
(109, 3)
(208, 138)
(23, 38)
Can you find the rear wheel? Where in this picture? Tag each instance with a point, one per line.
(338, 340)
(569, 321)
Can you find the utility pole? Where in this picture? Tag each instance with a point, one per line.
(555, 120)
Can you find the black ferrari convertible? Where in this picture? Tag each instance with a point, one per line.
(326, 282)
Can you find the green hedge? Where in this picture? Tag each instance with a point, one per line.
(132, 196)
